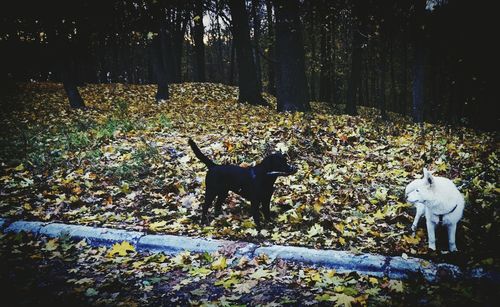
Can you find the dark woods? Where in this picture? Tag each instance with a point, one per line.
(431, 60)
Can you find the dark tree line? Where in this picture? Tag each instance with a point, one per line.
(431, 60)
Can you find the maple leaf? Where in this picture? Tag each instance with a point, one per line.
(245, 287)
(262, 273)
(202, 272)
(412, 239)
(342, 299)
(228, 283)
(315, 230)
(323, 297)
(157, 226)
(121, 249)
(220, 263)
(396, 286)
(51, 245)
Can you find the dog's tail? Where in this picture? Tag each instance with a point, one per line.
(197, 152)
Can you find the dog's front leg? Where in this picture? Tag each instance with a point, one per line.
(452, 229)
(431, 233)
(420, 211)
(255, 212)
(266, 206)
(209, 199)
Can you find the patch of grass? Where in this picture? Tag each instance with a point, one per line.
(164, 122)
(77, 140)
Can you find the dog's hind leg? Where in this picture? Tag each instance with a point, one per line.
(220, 199)
(452, 229)
(420, 211)
(209, 199)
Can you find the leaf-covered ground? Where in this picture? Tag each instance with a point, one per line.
(61, 272)
(125, 163)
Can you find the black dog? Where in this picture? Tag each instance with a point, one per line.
(253, 183)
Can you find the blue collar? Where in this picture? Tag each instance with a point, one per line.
(252, 173)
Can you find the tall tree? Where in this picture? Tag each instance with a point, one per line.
(247, 71)
(160, 66)
(418, 64)
(358, 10)
(326, 47)
(161, 52)
(271, 87)
(292, 89)
(199, 45)
(256, 40)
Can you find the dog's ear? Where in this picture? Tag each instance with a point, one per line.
(429, 179)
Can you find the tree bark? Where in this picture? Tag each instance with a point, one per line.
(256, 39)
(382, 96)
(271, 88)
(160, 67)
(199, 45)
(247, 72)
(418, 64)
(66, 63)
(69, 83)
(324, 65)
(292, 90)
(355, 74)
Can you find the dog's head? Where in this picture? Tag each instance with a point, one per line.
(276, 165)
(420, 190)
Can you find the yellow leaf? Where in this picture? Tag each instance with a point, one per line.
(245, 287)
(379, 215)
(339, 227)
(396, 286)
(314, 276)
(202, 272)
(261, 273)
(411, 240)
(342, 241)
(342, 299)
(51, 245)
(156, 226)
(373, 280)
(219, 264)
(316, 229)
(121, 249)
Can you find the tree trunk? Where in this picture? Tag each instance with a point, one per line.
(324, 66)
(355, 75)
(271, 88)
(247, 72)
(382, 97)
(232, 61)
(333, 93)
(292, 88)
(312, 43)
(393, 82)
(418, 64)
(256, 39)
(157, 50)
(199, 45)
(69, 83)
(404, 80)
(64, 52)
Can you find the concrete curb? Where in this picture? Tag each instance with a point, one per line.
(342, 261)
